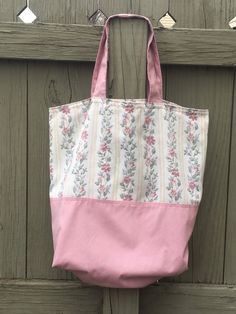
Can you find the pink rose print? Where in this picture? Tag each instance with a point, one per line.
(106, 168)
(193, 115)
(175, 173)
(192, 185)
(150, 140)
(191, 136)
(147, 120)
(129, 108)
(127, 180)
(102, 188)
(65, 109)
(84, 135)
(127, 131)
(171, 152)
(148, 161)
(104, 147)
(173, 193)
(127, 198)
(65, 130)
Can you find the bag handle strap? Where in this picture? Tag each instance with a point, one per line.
(154, 75)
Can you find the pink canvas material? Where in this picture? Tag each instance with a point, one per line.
(121, 243)
(112, 228)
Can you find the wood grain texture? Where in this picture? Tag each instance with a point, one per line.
(214, 14)
(127, 58)
(80, 43)
(48, 297)
(230, 244)
(126, 79)
(153, 9)
(212, 88)
(9, 9)
(75, 11)
(121, 301)
(63, 11)
(79, 11)
(13, 141)
(49, 84)
(188, 298)
(110, 7)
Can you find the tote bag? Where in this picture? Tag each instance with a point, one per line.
(125, 180)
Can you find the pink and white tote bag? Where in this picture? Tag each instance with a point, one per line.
(125, 180)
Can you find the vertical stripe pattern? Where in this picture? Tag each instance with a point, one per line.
(80, 167)
(127, 150)
(104, 152)
(151, 176)
(173, 187)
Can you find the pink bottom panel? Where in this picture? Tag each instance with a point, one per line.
(123, 244)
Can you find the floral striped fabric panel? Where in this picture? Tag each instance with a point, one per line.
(127, 150)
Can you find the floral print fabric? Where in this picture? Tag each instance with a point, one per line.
(128, 147)
(174, 186)
(104, 153)
(127, 150)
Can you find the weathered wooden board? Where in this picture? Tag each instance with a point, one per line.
(9, 10)
(75, 11)
(69, 297)
(153, 9)
(49, 84)
(110, 7)
(48, 297)
(80, 43)
(126, 79)
(121, 301)
(213, 14)
(127, 58)
(188, 298)
(189, 14)
(208, 87)
(13, 143)
(62, 11)
(230, 243)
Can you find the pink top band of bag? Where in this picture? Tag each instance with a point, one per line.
(154, 76)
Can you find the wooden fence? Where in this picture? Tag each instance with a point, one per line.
(44, 64)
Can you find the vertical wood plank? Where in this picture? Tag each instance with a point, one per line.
(230, 244)
(110, 7)
(127, 62)
(63, 11)
(49, 84)
(202, 14)
(9, 10)
(60, 11)
(153, 9)
(120, 301)
(75, 11)
(126, 79)
(13, 141)
(208, 87)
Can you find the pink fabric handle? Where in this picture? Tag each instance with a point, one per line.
(154, 75)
